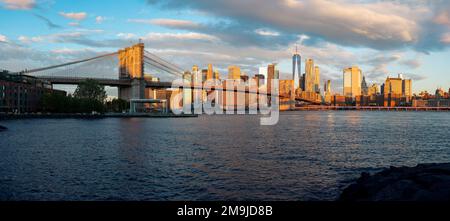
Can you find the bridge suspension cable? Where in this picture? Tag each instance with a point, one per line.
(161, 68)
(163, 62)
(66, 64)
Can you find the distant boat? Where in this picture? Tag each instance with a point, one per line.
(2, 128)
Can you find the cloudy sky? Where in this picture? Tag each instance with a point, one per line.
(383, 37)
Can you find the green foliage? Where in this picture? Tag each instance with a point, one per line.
(90, 89)
(57, 103)
(117, 106)
(88, 97)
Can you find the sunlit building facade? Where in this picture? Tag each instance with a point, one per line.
(309, 76)
(352, 82)
(234, 72)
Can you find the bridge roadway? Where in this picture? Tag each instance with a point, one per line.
(103, 81)
(149, 84)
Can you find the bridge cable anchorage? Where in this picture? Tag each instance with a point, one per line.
(65, 64)
(161, 67)
(155, 57)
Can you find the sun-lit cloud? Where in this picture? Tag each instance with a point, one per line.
(74, 15)
(171, 23)
(29, 40)
(266, 32)
(372, 24)
(445, 38)
(3, 38)
(126, 35)
(19, 4)
(99, 19)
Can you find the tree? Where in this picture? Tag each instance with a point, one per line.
(91, 90)
(117, 105)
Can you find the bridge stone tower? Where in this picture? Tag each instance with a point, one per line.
(131, 66)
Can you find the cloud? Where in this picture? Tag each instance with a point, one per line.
(266, 32)
(126, 36)
(74, 15)
(74, 24)
(99, 19)
(28, 40)
(445, 38)
(412, 63)
(19, 4)
(180, 36)
(3, 38)
(170, 23)
(379, 25)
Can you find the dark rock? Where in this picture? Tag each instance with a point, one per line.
(2, 128)
(425, 182)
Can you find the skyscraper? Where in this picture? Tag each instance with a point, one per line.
(407, 88)
(327, 90)
(216, 75)
(309, 75)
(364, 87)
(234, 72)
(209, 74)
(296, 66)
(263, 72)
(372, 90)
(317, 79)
(272, 73)
(352, 82)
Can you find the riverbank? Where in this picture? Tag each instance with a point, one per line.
(368, 108)
(425, 182)
(91, 116)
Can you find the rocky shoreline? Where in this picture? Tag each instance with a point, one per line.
(425, 182)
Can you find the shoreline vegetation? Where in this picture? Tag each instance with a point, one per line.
(424, 182)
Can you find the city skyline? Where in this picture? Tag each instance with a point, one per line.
(198, 33)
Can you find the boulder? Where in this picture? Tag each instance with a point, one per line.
(425, 182)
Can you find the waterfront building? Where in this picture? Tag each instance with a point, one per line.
(234, 72)
(407, 88)
(397, 91)
(22, 93)
(286, 95)
(352, 81)
(372, 90)
(338, 100)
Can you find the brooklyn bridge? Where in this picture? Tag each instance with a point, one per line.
(131, 80)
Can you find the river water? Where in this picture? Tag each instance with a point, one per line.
(309, 155)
